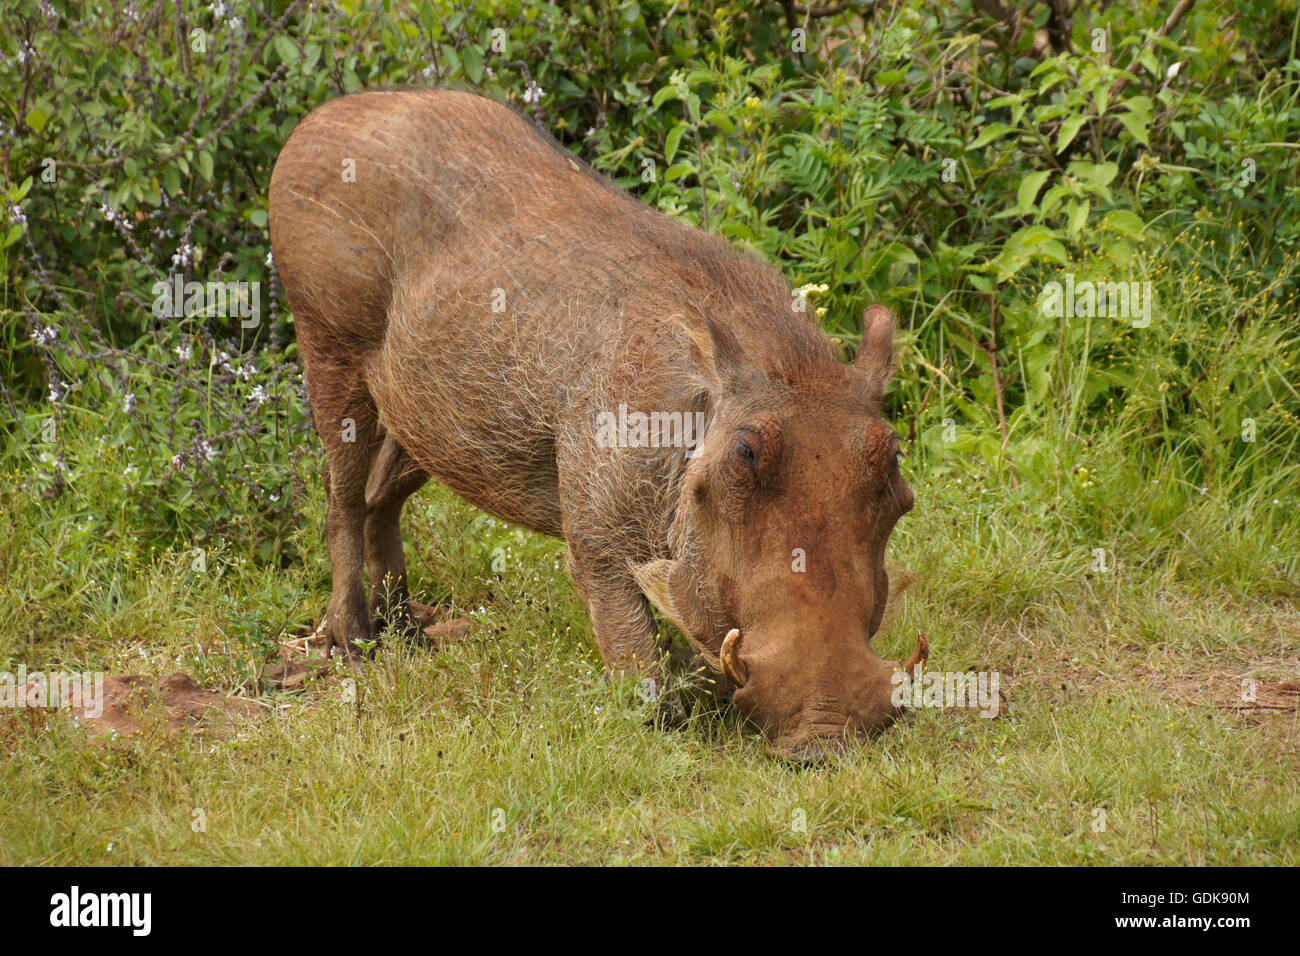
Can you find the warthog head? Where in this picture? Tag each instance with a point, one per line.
(778, 575)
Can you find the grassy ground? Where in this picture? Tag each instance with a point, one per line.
(1131, 735)
(1122, 743)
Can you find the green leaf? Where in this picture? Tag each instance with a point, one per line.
(1069, 130)
(1078, 215)
(991, 132)
(674, 138)
(36, 118)
(1029, 187)
(1139, 106)
(1126, 222)
(472, 57)
(1102, 174)
(205, 164)
(1024, 245)
(665, 93)
(720, 120)
(284, 47)
(450, 57)
(677, 171)
(1137, 128)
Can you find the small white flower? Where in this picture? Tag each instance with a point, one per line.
(128, 402)
(533, 93)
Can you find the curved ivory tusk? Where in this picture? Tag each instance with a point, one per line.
(732, 666)
(920, 655)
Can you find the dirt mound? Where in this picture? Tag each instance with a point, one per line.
(177, 701)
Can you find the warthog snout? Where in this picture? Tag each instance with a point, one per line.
(808, 705)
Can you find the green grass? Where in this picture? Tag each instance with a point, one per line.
(512, 748)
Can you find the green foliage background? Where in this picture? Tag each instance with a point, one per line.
(924, 155)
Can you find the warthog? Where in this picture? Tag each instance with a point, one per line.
(474, 303)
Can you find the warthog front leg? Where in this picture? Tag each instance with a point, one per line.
(625, 630)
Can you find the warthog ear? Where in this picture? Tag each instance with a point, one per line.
(876, 354)
(714, 352)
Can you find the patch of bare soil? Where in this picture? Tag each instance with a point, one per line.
(1226, 687)
(1227, 691)
(177, 702)
(439, 629)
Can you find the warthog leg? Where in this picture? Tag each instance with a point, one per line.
(394, 477)
(346, 420)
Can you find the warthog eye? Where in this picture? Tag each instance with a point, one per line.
(747, 453)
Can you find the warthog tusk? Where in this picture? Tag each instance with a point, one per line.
(920, 655)
(732, 666)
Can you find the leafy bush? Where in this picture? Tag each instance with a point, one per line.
(925, 155)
